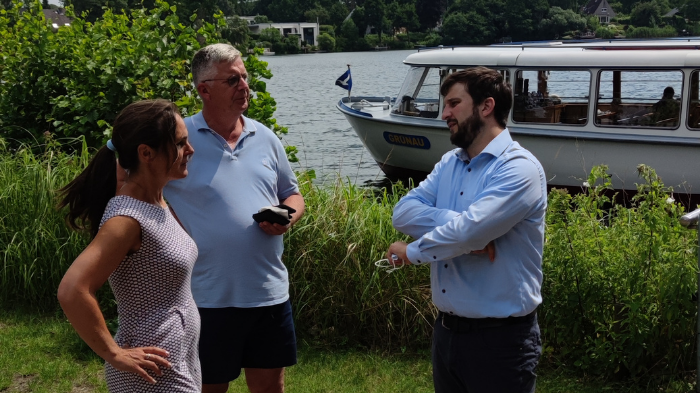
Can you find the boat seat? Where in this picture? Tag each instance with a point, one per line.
(670, 122)
(429, 114)
(694, 117)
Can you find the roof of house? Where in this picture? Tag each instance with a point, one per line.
(671, 13)
(591, 7)
(57, 16)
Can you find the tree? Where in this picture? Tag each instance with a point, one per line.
(691, 10)
(337, 14)
(45, 4)
(348, 36)
(487, 19)
(469, 28)
(326, 42)
(375, 12)
(593, 23)
(92, 9)
(559, 21)
(317, 14)
(429, 12)
(261, 19)
(574, 5)
(281, 10)
(523, 18)
(236, 32)
(646, 14)
(271, 35)
(403, 16)
(358, 16)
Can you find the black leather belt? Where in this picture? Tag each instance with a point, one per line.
(463, 325)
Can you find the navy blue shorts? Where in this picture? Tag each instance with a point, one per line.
(478, 358)
(235, 338)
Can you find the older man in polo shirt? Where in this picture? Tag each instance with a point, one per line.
(239, 282)
(490, 189)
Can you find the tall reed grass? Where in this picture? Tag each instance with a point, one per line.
(36, 247)
(340, 296)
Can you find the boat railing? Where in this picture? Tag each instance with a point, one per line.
(596, 44)
(690, 221)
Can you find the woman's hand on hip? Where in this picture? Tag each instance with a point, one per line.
(139, 360)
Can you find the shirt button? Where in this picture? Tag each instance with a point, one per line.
(443, 291)
(469, 169)
(461, 193)
(445, 265)
(434, 257)
(419, 261)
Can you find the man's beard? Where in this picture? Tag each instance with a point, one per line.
(467, 130)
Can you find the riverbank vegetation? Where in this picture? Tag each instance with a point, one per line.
(618, 288)
(352, 25)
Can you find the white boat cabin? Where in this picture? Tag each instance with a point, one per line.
(622, 88)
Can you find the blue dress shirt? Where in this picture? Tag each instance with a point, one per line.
(500, 195)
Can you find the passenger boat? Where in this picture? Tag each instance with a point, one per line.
(574, 106)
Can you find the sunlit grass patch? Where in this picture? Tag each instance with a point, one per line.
(44, 354)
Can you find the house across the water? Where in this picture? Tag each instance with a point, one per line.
(599, 8)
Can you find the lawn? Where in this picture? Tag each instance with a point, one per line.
(41, 353)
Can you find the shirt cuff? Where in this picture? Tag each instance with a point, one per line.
(413, 254)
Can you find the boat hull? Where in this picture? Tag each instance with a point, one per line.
(566, 159)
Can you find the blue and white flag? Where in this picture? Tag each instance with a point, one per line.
(345, 81)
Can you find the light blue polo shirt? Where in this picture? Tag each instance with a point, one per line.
(239, 265)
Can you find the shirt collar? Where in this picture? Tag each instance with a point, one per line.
(201, 125)
(496, 147)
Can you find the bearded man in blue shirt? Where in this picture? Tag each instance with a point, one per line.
(489, 190)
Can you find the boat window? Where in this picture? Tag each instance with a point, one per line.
(551, 96)
(639, 99)
(694, 108)
(504, 72)
(420, 93)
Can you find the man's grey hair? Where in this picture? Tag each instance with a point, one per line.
(205, 60)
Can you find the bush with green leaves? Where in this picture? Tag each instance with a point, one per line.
(650, 32)
(372, 40)
(237, 33)
(431, 40)
(72, 83)
(326, 42)
(271, 35)
(288, 45)
(604, 32)
(395, 44)
(328, 29)
(619, 281)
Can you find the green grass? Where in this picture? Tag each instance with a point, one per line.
(42, 353)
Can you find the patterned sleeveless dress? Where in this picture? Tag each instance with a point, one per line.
(154, 300)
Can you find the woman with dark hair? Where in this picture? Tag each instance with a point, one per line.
(141, 249)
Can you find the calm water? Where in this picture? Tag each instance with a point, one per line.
(306, 94)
